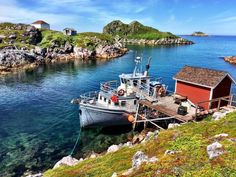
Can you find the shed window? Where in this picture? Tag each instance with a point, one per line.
(135, 102)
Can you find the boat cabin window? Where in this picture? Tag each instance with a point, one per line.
(135, 82)
(123, 103)
(116, 103)
(100, 97)
(105, 99)
(143, 82)
(109, 101)
(135, 102)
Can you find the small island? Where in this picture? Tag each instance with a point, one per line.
(199, 33)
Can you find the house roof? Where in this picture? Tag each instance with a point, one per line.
(201, 76)
(40, 22)
(69, 29)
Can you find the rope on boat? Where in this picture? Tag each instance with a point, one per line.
(76, 142)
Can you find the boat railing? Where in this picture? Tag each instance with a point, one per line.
(109, 86)
(89, 95)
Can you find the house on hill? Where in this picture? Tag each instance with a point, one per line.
(202, 84)
(69, 31)
(40, 24)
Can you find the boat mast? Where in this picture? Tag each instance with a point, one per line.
(137, 68)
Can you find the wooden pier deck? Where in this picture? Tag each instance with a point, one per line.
(167, 106)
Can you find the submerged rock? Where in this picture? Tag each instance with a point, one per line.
(66, 161)
(214, 150)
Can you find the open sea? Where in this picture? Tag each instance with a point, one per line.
(39, 125)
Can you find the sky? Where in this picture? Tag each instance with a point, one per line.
(177, 16)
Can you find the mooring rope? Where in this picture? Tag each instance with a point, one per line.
(76, 142)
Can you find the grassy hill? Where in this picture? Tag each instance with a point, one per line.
(135, 30)
(48, 37)
(191, 140)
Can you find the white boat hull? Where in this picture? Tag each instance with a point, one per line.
(95, 116)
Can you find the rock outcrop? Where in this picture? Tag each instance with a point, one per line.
(230, 59)
(214, 150)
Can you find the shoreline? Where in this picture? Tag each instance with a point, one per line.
(60, 58)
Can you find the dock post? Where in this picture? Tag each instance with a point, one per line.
(136, 117)
(231, 100)
(218, 107)
(196, 112)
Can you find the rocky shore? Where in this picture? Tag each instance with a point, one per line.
(25, 47)
(13, 60)
(163, 41)
(230, 59)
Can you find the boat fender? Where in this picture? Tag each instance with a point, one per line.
(130, 118)
(121, 92)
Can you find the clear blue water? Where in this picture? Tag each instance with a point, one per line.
(38, 125)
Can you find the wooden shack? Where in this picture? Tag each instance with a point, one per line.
(202, 84)
(69, 31)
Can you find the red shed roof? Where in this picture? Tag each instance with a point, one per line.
(40, 22)
(201, 76)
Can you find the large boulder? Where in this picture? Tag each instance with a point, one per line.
(214, 150)
(66, 161)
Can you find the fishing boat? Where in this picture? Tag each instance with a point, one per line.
(116, 101)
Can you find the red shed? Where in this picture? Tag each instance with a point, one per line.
(202, 84)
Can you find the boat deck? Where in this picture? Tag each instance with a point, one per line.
(167, 106)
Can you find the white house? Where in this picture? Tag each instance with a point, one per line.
(41, 24)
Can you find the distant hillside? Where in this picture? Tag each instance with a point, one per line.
(199, 33)
(135, 30)
(137, 33)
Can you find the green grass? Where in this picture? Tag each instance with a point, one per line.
(50, 36)
(89, 40)
(190, 140)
